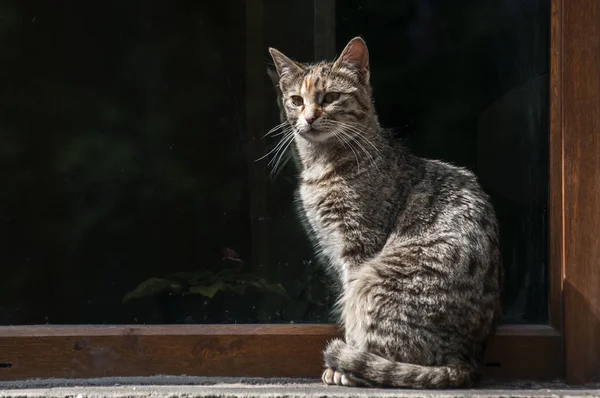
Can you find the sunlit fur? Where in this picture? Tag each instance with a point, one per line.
(413, 242)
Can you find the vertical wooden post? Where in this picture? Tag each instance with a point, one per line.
(581, 146)
(556, 213)
(255, 114)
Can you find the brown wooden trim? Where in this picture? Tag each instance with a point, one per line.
(225, 330)
(167, 330)
(581, 140)
(556, 168)
(532, 352)
(526, 352)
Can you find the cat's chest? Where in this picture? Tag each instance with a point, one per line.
(332, 214)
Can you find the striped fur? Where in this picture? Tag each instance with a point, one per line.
(414, 242)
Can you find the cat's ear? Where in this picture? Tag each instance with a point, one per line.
(285, 67)
(273, 76)
(356, 57)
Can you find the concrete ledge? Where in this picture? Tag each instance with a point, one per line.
(205, 387)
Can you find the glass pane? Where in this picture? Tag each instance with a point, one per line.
(130, 133)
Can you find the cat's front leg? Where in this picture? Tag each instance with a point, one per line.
(333, 377)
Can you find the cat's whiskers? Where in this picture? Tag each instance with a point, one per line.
(353, 136)
(339, 135)
(360, 133)
(349, 138)
(280, 145)
(354, 133)
(285, 159)
(274, 129)
(277, 134)
(281, 152)
(287, 133)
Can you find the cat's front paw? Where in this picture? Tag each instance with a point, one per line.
(333, 377)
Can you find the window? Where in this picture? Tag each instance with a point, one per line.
(139, 199)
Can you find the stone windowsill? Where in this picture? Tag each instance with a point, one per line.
(192, 387)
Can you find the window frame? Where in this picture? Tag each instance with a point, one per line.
(569, 345)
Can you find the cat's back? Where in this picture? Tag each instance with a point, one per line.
(445, 197)
(449, 223)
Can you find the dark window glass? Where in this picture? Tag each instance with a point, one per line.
(130, 133)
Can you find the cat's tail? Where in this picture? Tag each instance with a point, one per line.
(372, 369)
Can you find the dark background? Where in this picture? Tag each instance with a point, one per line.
(126, 151)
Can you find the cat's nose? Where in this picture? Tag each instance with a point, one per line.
(310, 117)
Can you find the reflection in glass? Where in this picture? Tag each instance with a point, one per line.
(129, 134)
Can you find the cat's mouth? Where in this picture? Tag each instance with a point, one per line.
(316, 134)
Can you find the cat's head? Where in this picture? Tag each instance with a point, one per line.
(327, 99)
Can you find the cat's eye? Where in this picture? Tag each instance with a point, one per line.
(297, 100)
(330, 97)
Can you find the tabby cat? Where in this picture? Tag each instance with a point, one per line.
(413, 242)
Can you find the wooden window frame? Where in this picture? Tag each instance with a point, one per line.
(568, 347)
